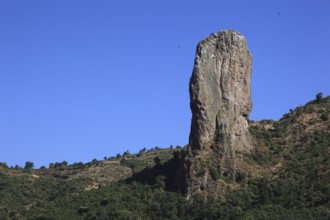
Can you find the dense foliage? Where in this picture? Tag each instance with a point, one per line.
(299, 188)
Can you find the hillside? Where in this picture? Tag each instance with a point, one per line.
(286, 176)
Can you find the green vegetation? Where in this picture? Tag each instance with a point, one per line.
(319, 96)
(214, 173)
(294, 152)
(28, 166)
(3, 165)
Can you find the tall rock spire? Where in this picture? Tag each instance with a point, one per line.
(220, 102)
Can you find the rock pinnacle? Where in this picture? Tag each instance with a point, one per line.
(220, 102)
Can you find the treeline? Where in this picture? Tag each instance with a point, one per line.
(78, 165)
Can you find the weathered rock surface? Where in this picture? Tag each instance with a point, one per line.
(220, 102)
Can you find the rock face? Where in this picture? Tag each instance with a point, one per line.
(220, 102)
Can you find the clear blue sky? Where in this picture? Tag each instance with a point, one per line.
(86, 79)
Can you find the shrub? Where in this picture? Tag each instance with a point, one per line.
(28, 166)
(319, 96)
(51, 165)
(325, 117)
(126, 153)
(3, 164)
(214, 173)
(135, 164)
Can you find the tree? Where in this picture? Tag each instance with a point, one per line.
(143, 150)
(126, 153)
(157, 161)
(95, 161)
(319, 96)
(28, 165)
(3, 164)
(51, 165)
(64, 164)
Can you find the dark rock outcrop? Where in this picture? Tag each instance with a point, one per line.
(220, 102)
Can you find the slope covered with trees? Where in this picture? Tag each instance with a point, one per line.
(288, 177)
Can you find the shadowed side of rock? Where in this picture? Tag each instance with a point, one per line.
(220, 102)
